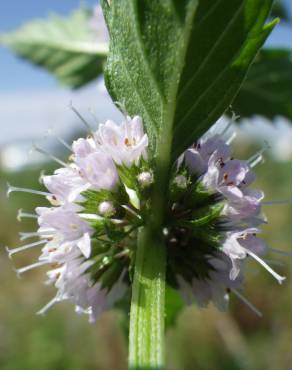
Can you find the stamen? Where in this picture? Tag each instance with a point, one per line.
(30, 267)
(24, 236)
(278, 277)
(281, 253)
(230, 123)
(25, 247)
(51, 156)
(231, 138)
(90, 216)
(94, 116)
(258, 157)
(258, 160)
(21, 215)
(82, 119)
(41, 177)
(26, 190)
(275, 263)
(61, 141)
(247, 302)
(277, 202)
(122, 108)
(43, 310)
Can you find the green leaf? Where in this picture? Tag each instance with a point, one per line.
(66, 47)
(179, 66)
(267, 89)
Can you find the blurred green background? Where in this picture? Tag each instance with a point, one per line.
(196, 339)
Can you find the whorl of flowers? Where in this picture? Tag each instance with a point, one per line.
(102, 197)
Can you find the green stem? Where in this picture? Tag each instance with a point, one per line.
(146, 340)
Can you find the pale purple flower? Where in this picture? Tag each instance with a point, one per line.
(83, 147)
(98, 170)
(125, 143)
(99, 201)
(215, 288)
(65, 185)
(67, 228)
(227, 179)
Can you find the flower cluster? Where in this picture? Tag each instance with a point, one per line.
(220, 216)
(102, 196)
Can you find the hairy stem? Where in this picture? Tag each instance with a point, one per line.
(146, 341)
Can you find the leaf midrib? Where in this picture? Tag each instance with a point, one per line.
(145, 58)
(170, 108)
(205, 62)
(136, 90)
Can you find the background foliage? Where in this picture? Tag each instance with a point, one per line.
(200, 340)
(66, 48)
(197, 339)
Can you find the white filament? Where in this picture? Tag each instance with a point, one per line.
(258, 157)
(21, 214)
(278, 277)
(24, 236)
(43, 310)
(83, 120)
(247, 302)
(26, 190)
(30, 267)
(256, 161)
(282, 253)
(25, 247)
(62, 141)
(277, 202)
(231, 138)
(51, 156)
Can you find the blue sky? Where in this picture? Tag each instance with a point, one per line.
(16, 75)
(31, 101)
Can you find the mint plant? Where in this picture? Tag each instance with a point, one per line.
(159, 201)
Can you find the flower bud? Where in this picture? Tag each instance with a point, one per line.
(145, 179)
(180, 181)
(106, 209)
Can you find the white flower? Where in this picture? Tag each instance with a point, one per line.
(125, 143)
(99, 202)
(214, 288)
(98, 170)
(63, 222)
(83, 147)
(66, 185)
